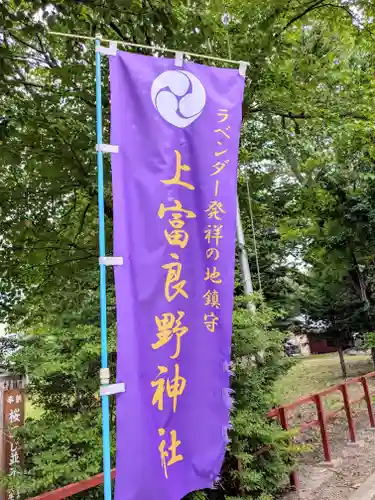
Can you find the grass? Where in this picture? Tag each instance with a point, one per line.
(309, 375)
(316, 373)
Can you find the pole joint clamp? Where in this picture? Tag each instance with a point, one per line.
(109, 390)
(104, 376)
(106, 148)
(111, 261)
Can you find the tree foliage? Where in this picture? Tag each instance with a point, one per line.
(306, 156)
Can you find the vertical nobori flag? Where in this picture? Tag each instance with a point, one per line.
(174, 190)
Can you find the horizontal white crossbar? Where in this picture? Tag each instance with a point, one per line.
(108, 390)
(111, 261)
(147, 47)
(106, 148)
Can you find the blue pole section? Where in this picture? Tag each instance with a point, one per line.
(103, 298)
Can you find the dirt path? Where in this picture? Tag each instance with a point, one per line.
(309, 376)
(355, 464)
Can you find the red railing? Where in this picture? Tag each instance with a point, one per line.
(72, 489)
(281, 413)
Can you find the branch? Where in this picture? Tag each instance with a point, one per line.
(51, 61)
(351, 15)
(116, 29)
(53, 247)
(24, 83)
(73, 151)
(303, 115)
(82, 220)
(107, 208)
(27, 44)
(53, 90)
(83, 181)
(320, 4)
(315, 5)
(60, 263)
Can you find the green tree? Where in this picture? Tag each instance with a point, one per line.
(311, 85)
(339, 235)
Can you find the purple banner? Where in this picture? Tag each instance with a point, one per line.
(174, 190)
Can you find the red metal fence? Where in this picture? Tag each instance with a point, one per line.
(282, 414)
(72, 489)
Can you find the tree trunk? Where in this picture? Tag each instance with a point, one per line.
(359, 282)
(373, 356)
(342, 363)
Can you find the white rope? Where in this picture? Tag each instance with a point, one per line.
(147, 47)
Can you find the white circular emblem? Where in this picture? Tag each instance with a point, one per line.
(179, 97)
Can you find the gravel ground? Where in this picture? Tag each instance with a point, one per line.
(355, 464)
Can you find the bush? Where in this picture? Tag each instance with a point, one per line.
(63, 444)
(260, 454)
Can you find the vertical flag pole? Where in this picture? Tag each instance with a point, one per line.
(104, 372)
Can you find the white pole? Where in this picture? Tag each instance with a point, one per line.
(244, 261)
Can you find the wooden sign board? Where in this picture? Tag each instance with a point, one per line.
(13, 416)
